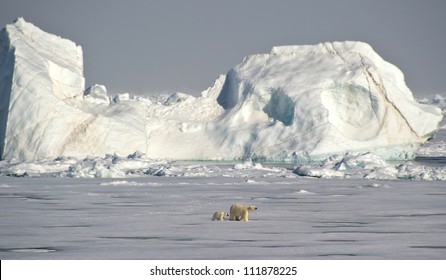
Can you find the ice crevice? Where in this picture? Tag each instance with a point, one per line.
(381, 90)
(78, 132)
(335, 51)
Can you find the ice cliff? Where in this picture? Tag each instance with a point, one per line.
(296, 103)
(309, 102)
(44, 113)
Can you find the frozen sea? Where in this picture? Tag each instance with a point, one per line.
(170, 218)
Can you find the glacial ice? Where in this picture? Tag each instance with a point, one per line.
(295, 104)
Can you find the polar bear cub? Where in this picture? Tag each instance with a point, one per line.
(240, 212)
(219, 216)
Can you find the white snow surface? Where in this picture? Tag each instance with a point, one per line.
(295, 104)
(170, 218)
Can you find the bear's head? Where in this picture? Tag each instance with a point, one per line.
(252, 208)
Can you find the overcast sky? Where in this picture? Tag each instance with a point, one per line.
(144, 46)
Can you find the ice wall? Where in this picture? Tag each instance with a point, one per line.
(309, 102)
(6, 72)
(43, 109)
(297, 103)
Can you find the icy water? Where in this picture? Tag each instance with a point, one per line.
(170, 218)
(431, 161)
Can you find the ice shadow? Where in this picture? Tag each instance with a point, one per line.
(6, 72)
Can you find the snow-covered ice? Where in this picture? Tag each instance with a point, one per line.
(351, 165)
(170, 218)
(295, 104)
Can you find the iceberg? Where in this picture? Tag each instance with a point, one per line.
(44, 112)
(297, 103)
(310, 102)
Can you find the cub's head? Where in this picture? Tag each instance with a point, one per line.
(252, 208)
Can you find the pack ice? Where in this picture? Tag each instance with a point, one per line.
(297, 103)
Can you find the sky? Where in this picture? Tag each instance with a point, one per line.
(150, 47)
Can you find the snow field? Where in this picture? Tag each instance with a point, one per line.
(170, 218)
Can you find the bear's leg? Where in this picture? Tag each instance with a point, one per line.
(231, 217)
(234, 212)
(245, 216)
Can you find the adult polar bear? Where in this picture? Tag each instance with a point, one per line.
(240, 212)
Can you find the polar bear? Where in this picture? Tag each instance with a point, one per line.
(240, 212)
(219, 216)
